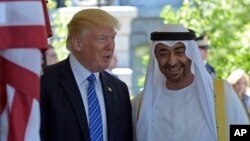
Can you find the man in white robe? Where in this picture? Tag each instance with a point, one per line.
(177, 102)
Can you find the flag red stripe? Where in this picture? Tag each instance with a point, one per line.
(19, 0)
(19, 116)
(26, 85)
(23, 37)
(21, 79)
(47, 21)
(25, 82)
(3, 96)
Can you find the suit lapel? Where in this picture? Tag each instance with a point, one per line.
(73, 93)
(109, 103)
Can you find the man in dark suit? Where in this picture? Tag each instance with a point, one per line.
(65, 106)
(202, 43)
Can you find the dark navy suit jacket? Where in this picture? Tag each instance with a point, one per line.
(210, 70)
(63, 115)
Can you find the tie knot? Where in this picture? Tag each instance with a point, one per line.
(91, 78)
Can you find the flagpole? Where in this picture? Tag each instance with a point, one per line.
(99, 3)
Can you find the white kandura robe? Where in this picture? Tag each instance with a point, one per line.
(180, 112)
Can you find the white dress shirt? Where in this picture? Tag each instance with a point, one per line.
(81, 74)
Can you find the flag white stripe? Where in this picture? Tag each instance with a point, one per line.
(26, 58)
(18, 13)
(32, 130)
(10, 95)
(4, 122)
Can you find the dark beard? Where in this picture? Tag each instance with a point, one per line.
(171, 79)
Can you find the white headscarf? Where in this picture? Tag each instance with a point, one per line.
(155, 79)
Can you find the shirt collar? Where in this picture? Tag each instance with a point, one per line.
(80, 72)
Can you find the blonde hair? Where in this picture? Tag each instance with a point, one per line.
(86, 19)
(236, 75)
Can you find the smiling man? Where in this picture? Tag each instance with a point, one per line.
(174, 65)
(79, 100)
(177, 102)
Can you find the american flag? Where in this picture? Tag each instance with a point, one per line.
(24, 28)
